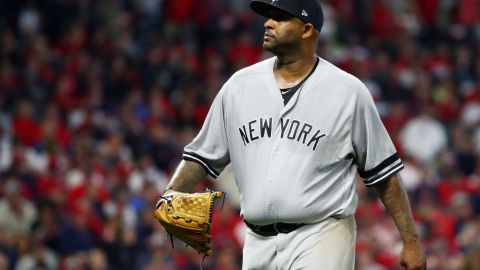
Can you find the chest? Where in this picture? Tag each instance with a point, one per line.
(313, 120)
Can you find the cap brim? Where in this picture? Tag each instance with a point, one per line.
(264, 8)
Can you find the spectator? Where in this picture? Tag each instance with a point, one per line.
(76, 235)
(18, 214)
(40, 258)
(97, 260)
(424, 137)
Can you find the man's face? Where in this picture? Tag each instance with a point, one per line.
(283, 32)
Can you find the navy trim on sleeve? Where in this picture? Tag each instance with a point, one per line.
(202, 162)
(387, 175)
(372, 172)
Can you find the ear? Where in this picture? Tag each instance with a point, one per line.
(308, 31)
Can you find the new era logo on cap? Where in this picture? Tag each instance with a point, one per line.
(304, 13)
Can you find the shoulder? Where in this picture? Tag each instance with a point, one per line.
(339, 82)
(340, 77)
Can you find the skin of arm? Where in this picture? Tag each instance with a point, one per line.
(394, 197)
(186, 177)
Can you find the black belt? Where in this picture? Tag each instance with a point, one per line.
(274, 229)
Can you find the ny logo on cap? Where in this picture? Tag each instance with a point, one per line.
(273, 1)
(304, 13)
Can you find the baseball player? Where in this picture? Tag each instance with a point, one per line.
(296, 130)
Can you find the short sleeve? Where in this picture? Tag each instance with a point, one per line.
(210, 147)
(375, 154)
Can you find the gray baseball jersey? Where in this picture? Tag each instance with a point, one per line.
(295, 162)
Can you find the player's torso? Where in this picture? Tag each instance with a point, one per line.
(291, 162)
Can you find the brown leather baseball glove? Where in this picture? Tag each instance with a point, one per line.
(188, 217)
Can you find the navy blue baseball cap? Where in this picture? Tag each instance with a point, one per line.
(308, 11)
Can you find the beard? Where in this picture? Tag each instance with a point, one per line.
(280, 46)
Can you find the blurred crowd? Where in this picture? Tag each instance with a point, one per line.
(98, 98)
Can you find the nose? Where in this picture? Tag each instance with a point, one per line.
(269, 23)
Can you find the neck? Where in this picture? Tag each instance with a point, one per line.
(290, 70)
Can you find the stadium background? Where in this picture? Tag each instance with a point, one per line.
(97, 99)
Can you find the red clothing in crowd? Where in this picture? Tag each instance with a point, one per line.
(179, 11)
(469, 12)
(383, 22)
(428, 10)
(26, 130)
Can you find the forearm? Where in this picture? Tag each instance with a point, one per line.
(186, 176)
(394, 197)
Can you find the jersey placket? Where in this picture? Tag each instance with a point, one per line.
(277, 154)
(272, 177)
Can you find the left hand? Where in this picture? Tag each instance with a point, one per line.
(188, 217)
(412, 257)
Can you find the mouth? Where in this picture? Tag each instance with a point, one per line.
(267, 36)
